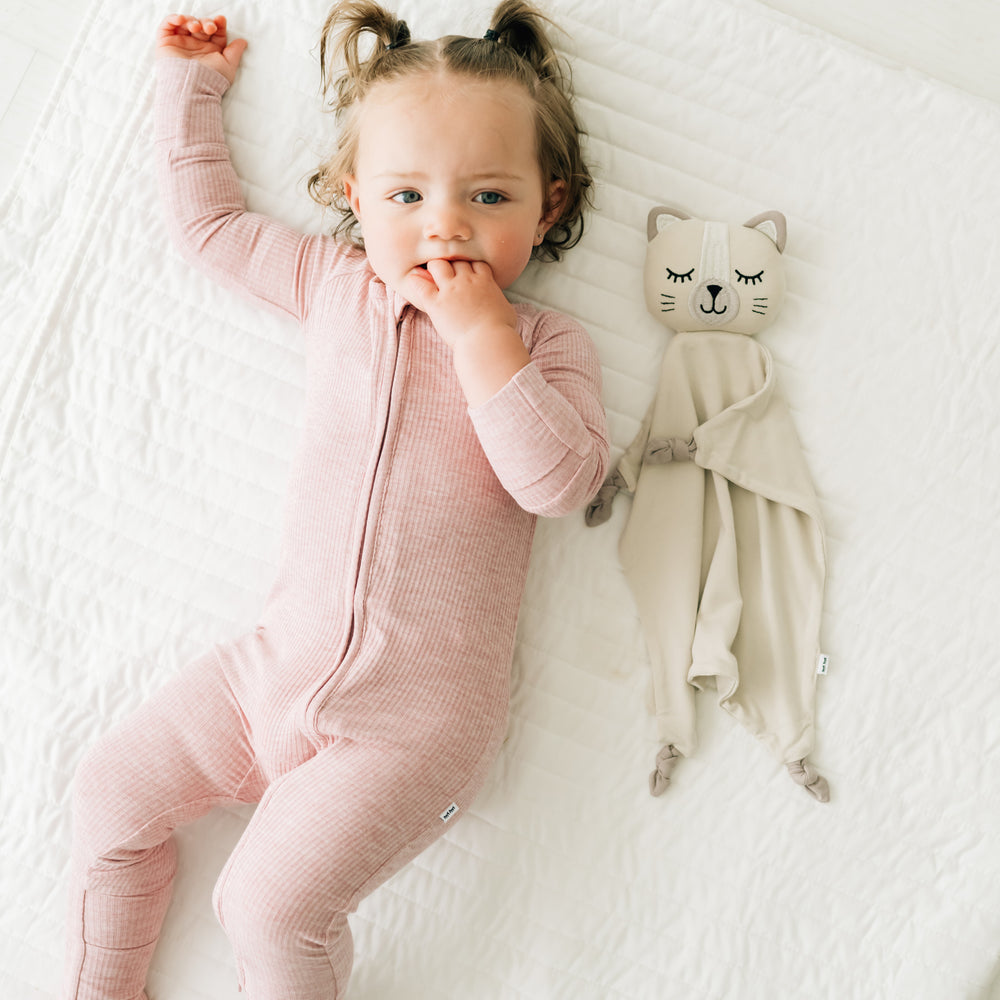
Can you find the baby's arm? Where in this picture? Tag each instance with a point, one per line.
(205, 208)
(545, 432)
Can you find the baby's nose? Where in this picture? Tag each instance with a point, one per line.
(447, 222)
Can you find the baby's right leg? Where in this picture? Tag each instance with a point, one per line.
(182, 752)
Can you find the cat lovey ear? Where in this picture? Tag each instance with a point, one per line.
(772, 225)
(661, 217)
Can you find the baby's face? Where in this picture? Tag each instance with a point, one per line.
(446, 168)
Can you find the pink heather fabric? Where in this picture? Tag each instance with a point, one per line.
(373, 692)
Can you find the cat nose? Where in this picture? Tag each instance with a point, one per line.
(714, 291)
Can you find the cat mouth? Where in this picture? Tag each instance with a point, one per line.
(714, 303)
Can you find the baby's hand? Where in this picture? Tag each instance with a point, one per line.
(460, 297)
(184, 37)
(471, 315)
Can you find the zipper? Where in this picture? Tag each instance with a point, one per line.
(319, 697)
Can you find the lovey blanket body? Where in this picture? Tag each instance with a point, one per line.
(723, 548)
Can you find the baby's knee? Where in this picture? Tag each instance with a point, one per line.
(276, 921)
(270, 910)
(108, 810)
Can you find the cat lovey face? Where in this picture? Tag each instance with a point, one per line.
(712, 275)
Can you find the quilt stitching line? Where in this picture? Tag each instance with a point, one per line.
(48, 613)
(178, 418)
(83, 555)
(52, 305)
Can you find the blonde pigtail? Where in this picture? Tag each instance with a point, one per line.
(522, 28)
(350, 28)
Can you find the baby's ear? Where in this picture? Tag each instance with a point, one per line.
(350, 187)
(555, 198)
(661, 217)
(772, 225)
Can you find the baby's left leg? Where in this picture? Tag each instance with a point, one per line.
(183, 751)
(324, 836)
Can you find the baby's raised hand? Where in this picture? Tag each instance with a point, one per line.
(471, 315)
(203, 39)
(460, 297)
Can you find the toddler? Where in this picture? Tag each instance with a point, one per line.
(365, 709)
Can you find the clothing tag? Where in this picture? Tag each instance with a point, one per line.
(823, 664)
(449, 812)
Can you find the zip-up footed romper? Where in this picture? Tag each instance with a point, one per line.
(372, 696)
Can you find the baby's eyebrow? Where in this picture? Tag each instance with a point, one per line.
(399, 175)
(496, 175)
(478, 177)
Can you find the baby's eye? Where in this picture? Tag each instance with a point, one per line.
(406, 197)
(748, 279)
(489, 198)
(679, 278)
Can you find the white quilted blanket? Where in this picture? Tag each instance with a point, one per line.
(146, 422)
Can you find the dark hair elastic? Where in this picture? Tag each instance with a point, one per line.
(402, 36)
(491, 35)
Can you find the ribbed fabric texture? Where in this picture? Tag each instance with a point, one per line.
(372, 695)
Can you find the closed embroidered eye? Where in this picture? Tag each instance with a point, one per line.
(407, 197)
(489, 198)
(680, 278)
(749, 279)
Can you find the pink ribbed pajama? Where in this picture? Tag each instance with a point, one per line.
(372, 695)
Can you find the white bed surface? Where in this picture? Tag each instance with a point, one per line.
(145, 430)
(954, 41)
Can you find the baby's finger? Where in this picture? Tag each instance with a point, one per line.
(481, 267)
(234, 51)
(202, 30)
(441, 269)
(169, 25)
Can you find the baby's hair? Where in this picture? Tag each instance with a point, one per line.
(514, 48)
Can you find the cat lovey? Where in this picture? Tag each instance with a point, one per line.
(723, 547)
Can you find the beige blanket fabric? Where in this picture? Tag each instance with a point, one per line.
(725, 554)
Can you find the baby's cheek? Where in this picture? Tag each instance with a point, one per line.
(510, 257)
